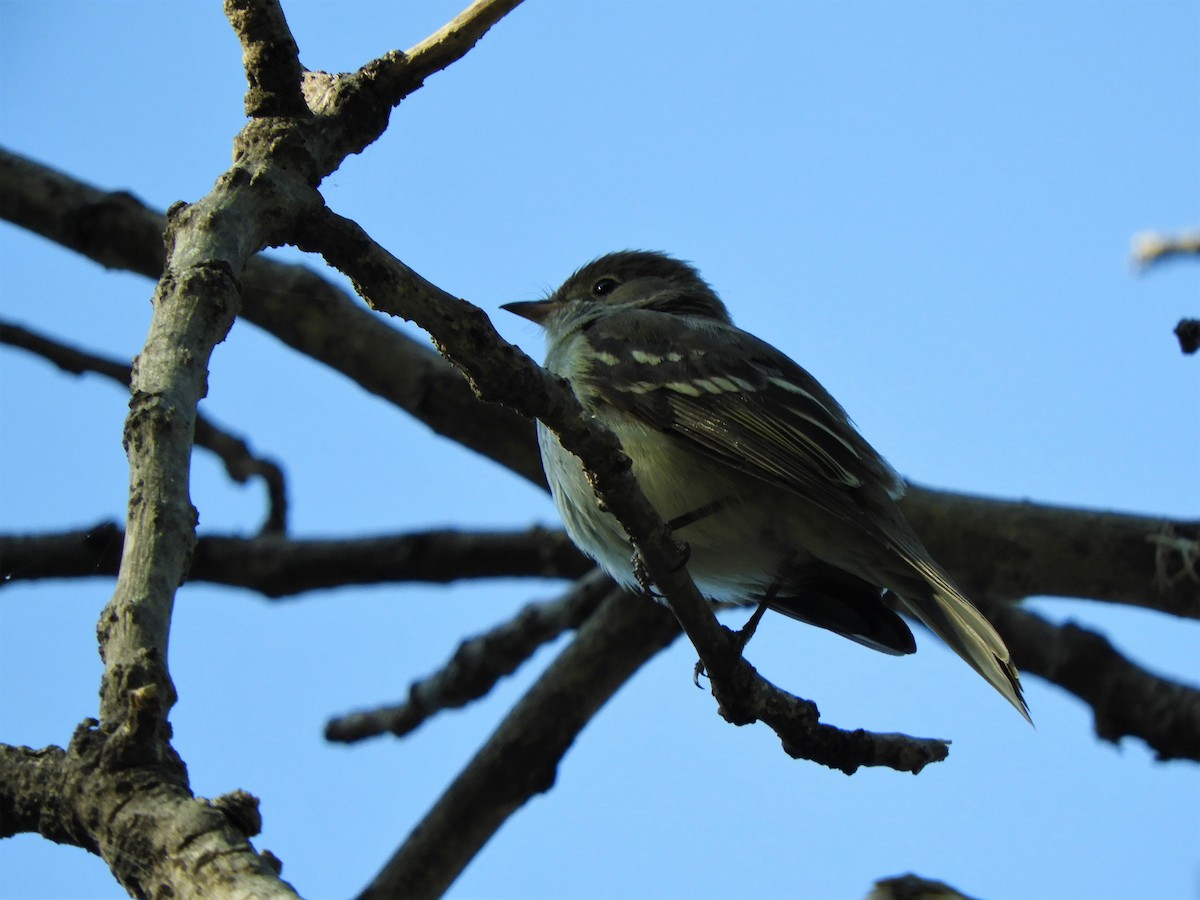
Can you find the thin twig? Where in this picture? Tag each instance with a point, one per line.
(1151, 247)
(450, 42)
(239, 461)
(477, 664)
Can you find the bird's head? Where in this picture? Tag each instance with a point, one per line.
(624, 281)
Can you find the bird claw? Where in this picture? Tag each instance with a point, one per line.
(741, 638)
(643, 576)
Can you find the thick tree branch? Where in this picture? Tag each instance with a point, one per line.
(521, 757)
(256, 203)
(270, 58)
(1009, 550)
(297, 306)
(478, 663)
(194, 307)
(240, 463)
(79, 553)
(351, 111)
(154, 834)
(276, 566)
(1001, 549)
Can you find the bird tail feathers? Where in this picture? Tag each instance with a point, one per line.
(954, 619)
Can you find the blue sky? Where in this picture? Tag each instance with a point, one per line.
(929, 205)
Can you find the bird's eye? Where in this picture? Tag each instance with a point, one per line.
(605, 286)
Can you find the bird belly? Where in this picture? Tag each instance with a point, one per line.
(725, 517)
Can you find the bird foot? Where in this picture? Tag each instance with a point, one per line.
(643, 576)
(741, 638)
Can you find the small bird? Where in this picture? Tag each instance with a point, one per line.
(747, 458)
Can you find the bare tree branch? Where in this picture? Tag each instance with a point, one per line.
(235, 454)
(297, 306)
(352, 110)
(270, 58)
(208, 245)
(80, 553)
(452, 41)
(521, 757)
(913, 887)
(478, 663)
(68, 359)
(152, 832)
(1002, 549)
(1150, 247)
(1014, 549)
(276, 566)
(195, 303)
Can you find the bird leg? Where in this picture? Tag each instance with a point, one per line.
(700, 512)
(742, 636)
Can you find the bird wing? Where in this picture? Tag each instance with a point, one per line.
(738, 400)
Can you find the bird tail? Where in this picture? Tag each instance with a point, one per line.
(954, 619)
(832, 598)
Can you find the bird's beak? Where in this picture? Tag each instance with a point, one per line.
(533, 310)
